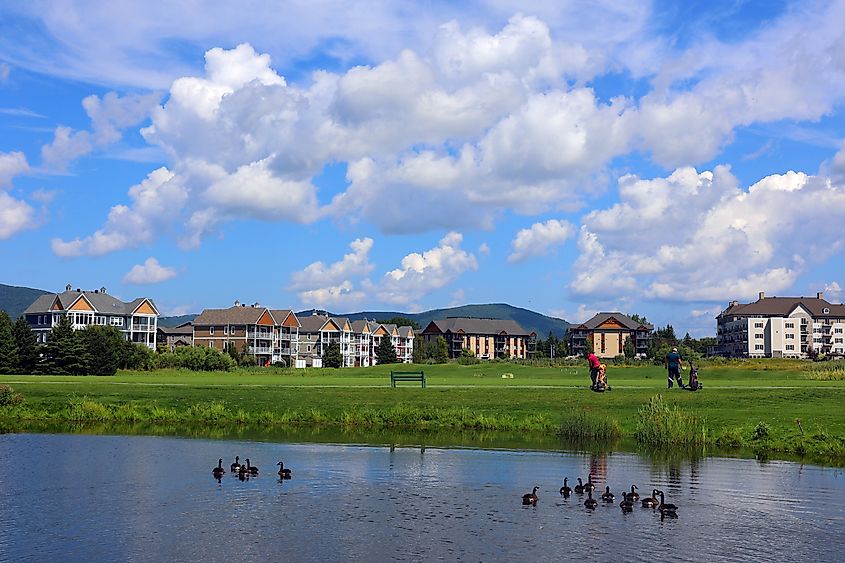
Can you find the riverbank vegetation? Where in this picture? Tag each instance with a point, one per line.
(752, 407)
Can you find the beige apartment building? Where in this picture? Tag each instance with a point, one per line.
(486, 338)
(608, 333)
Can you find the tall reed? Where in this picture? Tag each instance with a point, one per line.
(661, 425)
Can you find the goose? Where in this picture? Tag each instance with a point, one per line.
(218, 471)
(667, 508)
(627, 505)
(607, 496)
(634, 495)
(590, 502)
(565, 490)
(531, 498)
(236, 466)
(651, 502)
(579, 488)
(283, 473)
(250, 469)
(589, 486)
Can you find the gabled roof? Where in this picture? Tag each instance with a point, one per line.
(359, 326)
(406, 332)
(782, 307)
(471, 325)
(102, 302)
(312, 323)
(281, 314)
(182, 329)
(600, 318)
(233, 316)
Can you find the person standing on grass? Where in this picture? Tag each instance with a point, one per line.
(673, 365)
(594, 363)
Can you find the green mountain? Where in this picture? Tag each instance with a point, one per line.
(171, 322)
(14, 300)
(529, 320)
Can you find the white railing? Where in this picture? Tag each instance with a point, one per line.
(260, 335)
(261, 350)
(143, 328)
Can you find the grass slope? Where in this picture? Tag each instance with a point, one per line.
(738, 408)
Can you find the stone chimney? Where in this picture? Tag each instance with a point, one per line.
(762, 295)
(820, 295)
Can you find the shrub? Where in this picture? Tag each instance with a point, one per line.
(8, 397)
(660, 425)
(468, 358)
(761, 431)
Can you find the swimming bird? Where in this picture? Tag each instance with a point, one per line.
(664, 507)
(590, 502)
(283, 473)
(651, 502)
(607, 496)
(531, 498)
(589, 486)
(250, 469)
(218, 471)
(627, 505)
(579, 488)
(634, 495)
(565, 490)
(236, 466)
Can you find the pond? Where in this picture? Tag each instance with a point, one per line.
(79, 497)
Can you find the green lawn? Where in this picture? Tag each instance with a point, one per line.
(538, 399)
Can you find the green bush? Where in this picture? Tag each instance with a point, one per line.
(196, 358)
(761, 431)
(8, 397)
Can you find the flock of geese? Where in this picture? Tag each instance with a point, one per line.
(244, 471)
(627, 503)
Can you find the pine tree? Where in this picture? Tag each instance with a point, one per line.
(628, 348)
(8, 346)
(441, 350)
(332, 357)
(103, 349)
(65, 352)
(28, 347)
(385, 352)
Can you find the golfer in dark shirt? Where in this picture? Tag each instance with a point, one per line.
(673, 364)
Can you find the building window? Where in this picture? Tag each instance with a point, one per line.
(837, 330)
(758, 347)
(226, 329)
(789, 325)
(789, 336)
(117, 321)
(837, 340)
(758, 335)
(817, 339)
(790, 346)
(825, 311)
(309, 348)
(211, 330)
(758, 325)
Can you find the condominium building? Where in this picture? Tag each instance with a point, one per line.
(486, 338)
(608, 333)
(358, 340)
(270, 335)
(170, 338)
(137, 319)
(781, 327)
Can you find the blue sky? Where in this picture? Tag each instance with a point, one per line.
(568, 157)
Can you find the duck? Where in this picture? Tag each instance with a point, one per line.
(607, 496)
(590, 502)
(579, 488)
(565, 490)
(531, 498)
(283, 473)
(589, 486)
(218, 471)
(634, 495)
(250, 469)
(627, 505)
(236, 466)
(651, 502)
(664, 507)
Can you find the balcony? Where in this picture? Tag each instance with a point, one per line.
(143, 328)
(260, 350)
(260, 335)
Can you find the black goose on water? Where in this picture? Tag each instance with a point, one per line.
(579, 488)
(218, 471)
(634, 495)
(565, 490)
(651, 502)
(607, 496)
(236, 466)
(531, 498)
(250, 469)
(590, 502)
(589, 486)
(283, 473)
(664, 507)
(627, 505)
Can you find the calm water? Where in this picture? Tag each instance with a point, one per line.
(106, 498)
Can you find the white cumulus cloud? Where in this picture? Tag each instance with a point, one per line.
(15, 215)
(323, 285)
(149, 272)
(11, 164)
(539, 239)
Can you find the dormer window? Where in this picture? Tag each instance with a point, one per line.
(825, 311)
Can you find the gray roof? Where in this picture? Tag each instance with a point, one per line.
(406, 332)
(312, 323)
(102, 302)
(782, 306)
(233, 316)
(471, 325)
(183, 329)
(626, 321)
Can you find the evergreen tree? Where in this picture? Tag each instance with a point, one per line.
(104, 346)
(8, 346)
(441, 351)
(400, 321)
(28, 347)
(628, 348)
(332, 357)
(65, 352)
(385, 352)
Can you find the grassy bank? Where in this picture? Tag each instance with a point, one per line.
(740, 407)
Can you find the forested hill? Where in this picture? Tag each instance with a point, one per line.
(529, 320)
(14, 300)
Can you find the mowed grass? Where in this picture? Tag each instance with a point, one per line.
(735, 401)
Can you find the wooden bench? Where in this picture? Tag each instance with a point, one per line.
(407, 376)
